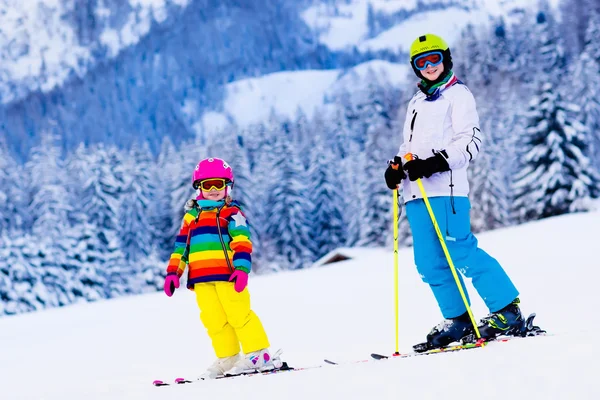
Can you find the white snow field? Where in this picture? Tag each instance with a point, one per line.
(115, 349)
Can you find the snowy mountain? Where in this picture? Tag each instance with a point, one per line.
(115, 349)
(355, 25)
(251, 101)
(44, 42)
(344, 24)
(108, 70)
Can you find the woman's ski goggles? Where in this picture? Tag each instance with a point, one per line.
(433, 58)
(208, 184)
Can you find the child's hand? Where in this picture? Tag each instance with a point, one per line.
(241, 280)
(171, 283)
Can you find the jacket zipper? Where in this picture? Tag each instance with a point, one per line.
(412, 125)
(231, 269)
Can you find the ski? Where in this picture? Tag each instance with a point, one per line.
(448, 349)
(469, 342)
(284, 368)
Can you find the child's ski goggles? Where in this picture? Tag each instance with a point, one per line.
(433, 58)
(208, 184)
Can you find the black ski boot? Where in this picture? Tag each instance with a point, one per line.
(506, 322)
(446, 332)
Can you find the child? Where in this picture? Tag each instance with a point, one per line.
(442, 132)
(214, 241)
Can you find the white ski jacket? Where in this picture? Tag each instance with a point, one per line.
(449, 125)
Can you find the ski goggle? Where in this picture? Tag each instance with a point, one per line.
(433, 58)
(208, 184)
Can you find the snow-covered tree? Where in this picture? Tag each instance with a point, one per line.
(586, 85)
(136, 231)
(327, 230)
(489, 193)
(21, 289)
(550, 52)
(13, 192)
(102, 189)
(287, 201)
(555, 175)
(49, 207)
(161, 208)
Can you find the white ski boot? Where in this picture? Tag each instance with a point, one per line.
(257, 361)
(218, 368)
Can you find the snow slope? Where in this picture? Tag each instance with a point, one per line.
(249, 101)
(114, 349)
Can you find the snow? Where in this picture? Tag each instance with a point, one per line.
(34, 41)
(447, 23)
(115, 349)
(39, 48)
(345, 25)
(348, 25)
(251, 100)
(138, 23)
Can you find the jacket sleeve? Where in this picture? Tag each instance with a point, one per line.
(467, 139)
(178, 259)
(240, 244)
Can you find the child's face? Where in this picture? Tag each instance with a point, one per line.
(213, 194)
(432, 73)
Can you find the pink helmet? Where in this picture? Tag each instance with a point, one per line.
(212, 168)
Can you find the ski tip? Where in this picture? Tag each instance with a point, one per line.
(378, 356)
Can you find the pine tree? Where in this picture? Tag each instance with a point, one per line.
(490, 204)
(136, 233)
(77, 165)
(21, 289)
(555, 176)
(101, 191)
(161, 209)
(13, 192)
(550, 52)
(327, 230)
(352, 178)
(86, 259)
(376, 214)
(49, 206)
(288, 205)
(586, 85)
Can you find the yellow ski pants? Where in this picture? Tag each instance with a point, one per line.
(228, 319)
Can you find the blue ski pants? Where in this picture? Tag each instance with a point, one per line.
(488, 277)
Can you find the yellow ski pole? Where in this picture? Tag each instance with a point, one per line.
(395, 208)
(410, 157)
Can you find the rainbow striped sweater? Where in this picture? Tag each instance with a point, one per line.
(205, 256)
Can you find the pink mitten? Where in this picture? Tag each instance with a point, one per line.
(171, 283)
(241, 280)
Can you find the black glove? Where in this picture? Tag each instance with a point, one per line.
(425, 168)
(393, 176)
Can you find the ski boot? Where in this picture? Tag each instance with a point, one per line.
(257, 361)
(446, 332)
(218, 368)
(505, 322)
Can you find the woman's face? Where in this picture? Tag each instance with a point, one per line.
(432, 73)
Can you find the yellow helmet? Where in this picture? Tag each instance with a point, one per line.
(430, 42)
(427, 42)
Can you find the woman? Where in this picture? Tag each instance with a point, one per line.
(442, 134)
